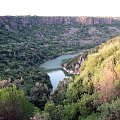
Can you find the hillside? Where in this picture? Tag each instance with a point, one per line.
(95, 93)
(26, 42)
(30, 40)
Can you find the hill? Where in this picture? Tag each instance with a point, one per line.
(95, 93)
(30, 40)
(26, 42)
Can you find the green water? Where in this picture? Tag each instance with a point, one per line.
(54, 68)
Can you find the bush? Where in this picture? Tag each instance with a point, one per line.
(110, 111)
(14, 105)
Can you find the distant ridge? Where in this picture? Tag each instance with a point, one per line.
(26, 20)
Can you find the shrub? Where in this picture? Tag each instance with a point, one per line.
(14, 104)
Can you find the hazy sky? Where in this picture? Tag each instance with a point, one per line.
(60, 7)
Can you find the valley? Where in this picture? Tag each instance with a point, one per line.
(54, 69)
(36, 52)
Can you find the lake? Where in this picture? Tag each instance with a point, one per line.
(54, 69)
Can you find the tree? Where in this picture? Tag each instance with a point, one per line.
(39, 95)
(14, 104)
(55, 112)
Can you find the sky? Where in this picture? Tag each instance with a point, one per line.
(60, 7)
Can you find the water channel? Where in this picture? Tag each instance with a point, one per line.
(54, 69)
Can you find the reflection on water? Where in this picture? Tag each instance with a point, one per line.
(56, 76)
(54, 69)
(56, 63)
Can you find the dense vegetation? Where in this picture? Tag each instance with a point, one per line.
(92, 95)
(23, 47)
(14, 105)
(25, 44)
(95, 93)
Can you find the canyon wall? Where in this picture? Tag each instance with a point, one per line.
(15, 22)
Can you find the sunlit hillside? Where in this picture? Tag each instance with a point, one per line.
(95, 93)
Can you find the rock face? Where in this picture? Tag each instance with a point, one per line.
(30, 20)
(80, 31)
(75, 66)
(94, 20)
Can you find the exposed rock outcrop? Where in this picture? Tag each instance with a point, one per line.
(29, 20)
(75, 67)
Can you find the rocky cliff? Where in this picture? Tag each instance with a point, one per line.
(30, 20)
(73, 32)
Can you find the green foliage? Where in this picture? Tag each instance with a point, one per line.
(39, 94)
(110, 110)
(117, 68)
(26, 43)
(94, 94)
(93, 116)
(71, 112)
(42, 116)
(117, 84)
(49, 106)
(55, 112)
(24, 46)
(85, 105)
(14, 105)
(59, 94)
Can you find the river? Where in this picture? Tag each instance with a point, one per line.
(54, 69)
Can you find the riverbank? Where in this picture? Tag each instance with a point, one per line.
(72, 66)
(70, 72)
(54, 69)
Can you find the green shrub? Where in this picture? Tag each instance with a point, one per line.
(14, 104)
